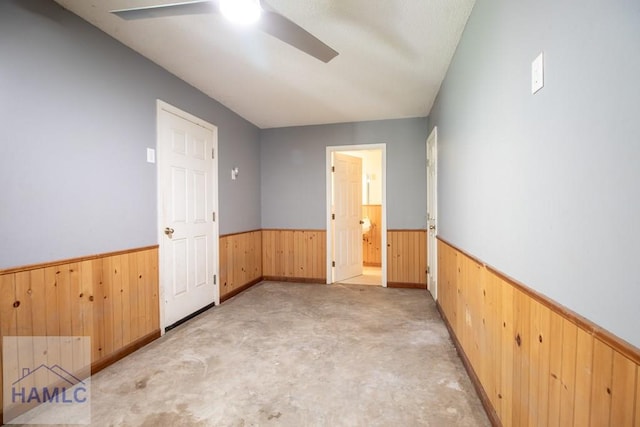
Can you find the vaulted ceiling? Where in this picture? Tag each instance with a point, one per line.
(393, 56)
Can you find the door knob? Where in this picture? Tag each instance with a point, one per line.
(432, 227)
(361, 222)
(168, 231)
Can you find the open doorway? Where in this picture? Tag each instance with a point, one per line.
(356, 214)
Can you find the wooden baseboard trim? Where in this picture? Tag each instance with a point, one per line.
(629, 350)
(312, 230)
(320, 281)
(73, 260)
(402, 285)
(372, 264)
(241, 232)
(123, 352)
(242, 288)
(484, 398)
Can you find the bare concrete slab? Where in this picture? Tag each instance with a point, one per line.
(287, 354)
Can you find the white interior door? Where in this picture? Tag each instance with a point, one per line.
(188, 197)
(432, 212)
(347, 192)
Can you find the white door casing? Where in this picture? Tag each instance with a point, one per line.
(187, 199)
(330, 150)
(432, 212)
(347, 186)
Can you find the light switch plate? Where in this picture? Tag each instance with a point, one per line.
(151, 155)
(537, 73)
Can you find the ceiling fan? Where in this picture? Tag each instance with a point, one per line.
(265, 17)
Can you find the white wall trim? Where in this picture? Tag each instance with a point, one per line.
(432, 250)
(331, 149)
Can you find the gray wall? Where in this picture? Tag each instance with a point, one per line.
(546, 187)
(78, 110)
(294, 177)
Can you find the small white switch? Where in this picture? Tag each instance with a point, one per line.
(151, 155)
(537, 73)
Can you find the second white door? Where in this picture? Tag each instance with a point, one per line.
(188, 195)
(347, 193)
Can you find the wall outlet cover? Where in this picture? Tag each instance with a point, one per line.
(151, 155)
(537, 73)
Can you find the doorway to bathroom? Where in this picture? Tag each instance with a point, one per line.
(356, 214)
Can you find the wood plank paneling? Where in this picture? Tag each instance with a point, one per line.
(494, 331)
(116, 300)
(537, 363)
(69, 299)
(372, 240)
(600, 410)
(240, 260)
(150, 277)
(294, 254)
(24, 321)
(133, 303)
(52, 309)
(636, 422)
(63, 286)
(507, 356)
(534, 363)
(555, 369)
(485, 344)
(544, 338)
(623, 387)
(97, 296)
(584, 369)
(109, 309)
(568, 374)
(8, 319)
(125, 298)
(36, 293)
(407, 256)
(522, 372)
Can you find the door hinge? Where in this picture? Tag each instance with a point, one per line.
(214, 216)
(333, 263)
(333, 168)
(333, 216)
(215, 279)
(213, 153)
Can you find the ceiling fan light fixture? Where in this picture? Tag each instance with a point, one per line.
(242, 12)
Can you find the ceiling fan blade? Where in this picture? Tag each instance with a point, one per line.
(271, 22)
(172, 9)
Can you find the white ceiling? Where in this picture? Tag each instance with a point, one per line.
(393, 57)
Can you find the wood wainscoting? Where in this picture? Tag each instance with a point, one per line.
(112, 298)
(407, 259)
(534, 362)
(372, 240)
(294, 255)
(240, 262)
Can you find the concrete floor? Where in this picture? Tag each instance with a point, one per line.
(288, 354)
